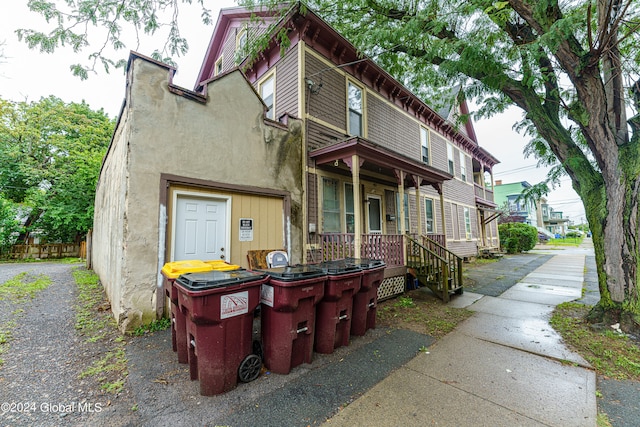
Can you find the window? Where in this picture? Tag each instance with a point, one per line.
(450, 158)
(424, 141)
(241, 40)
(355, 110)
(330, 206)
(407, 229)
(463, 166)
(428, 213)
(467, 223)
(267, 93)
(455, 220)
(350, 220)
(218, 67)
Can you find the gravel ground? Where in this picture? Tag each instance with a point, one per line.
(39, 379)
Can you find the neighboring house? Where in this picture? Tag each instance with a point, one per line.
(182, 171)
(553, 220)
(508, 196)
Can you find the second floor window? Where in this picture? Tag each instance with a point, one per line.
(463, 167)
(355, 110)
(424, 141)
(267, 93)
(450, 159)
(218, 67)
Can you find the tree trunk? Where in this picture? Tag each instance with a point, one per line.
(615, 226)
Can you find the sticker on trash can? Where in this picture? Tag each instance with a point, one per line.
(266, 295)
(234, 304)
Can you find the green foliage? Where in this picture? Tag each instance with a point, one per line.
(81, 24)
(516, 237)
(10, 226)
(52, 152)
(23, 286)
(611, 354)
(156, 325)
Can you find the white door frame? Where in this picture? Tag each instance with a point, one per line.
(379, 198)
(211, 196)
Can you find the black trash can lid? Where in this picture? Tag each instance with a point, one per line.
(340, 266)
(293, 273)
(366, 263)
(217, 279)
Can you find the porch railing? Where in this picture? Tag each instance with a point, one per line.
(386, 247)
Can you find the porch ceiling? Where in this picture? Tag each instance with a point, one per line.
(373, 156)
(485, 205)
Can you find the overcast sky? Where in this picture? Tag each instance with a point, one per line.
(29, 75)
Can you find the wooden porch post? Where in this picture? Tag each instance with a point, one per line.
(438, 187)
(417, 180)
(400, 176)
(357, 205)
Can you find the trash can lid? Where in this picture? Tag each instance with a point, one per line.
(293, 273)
(221, 265)
(366, 263)
(217, 279)
(174, 269)
(340, 266)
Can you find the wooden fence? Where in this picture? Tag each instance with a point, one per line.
(49, 250)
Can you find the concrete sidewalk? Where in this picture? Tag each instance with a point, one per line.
(504, 366)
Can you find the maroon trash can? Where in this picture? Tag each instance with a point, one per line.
(365, 302)
(334, 311)
(219, 308)
(288, 315)
(171, 271)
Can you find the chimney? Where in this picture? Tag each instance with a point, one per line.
(498, 182)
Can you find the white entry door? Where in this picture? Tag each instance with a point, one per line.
(375, 214)
(200, 230)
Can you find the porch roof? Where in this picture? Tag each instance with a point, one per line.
(371, 154)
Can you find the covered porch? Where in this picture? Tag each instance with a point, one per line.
(360, 161)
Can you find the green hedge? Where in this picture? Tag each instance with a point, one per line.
(517, 237)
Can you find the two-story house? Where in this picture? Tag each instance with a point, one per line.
(380, 163)
(553, 220)
(508, 198)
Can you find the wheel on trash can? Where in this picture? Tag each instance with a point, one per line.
(250, 368)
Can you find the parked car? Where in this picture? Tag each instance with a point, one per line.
(543, 238)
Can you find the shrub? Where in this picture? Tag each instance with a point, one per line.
(517, 237)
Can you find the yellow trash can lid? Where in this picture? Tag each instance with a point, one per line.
(220, 265)
(173, 270)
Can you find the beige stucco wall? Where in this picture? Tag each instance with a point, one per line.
(225, 140)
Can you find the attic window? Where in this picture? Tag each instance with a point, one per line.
(241, 40)
(218, 66)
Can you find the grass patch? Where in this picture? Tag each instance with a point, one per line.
(18, 290)
(156, 325)
(611, 354)
(569, 241)
(95, 322)
(23, 286)
(420, 311)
